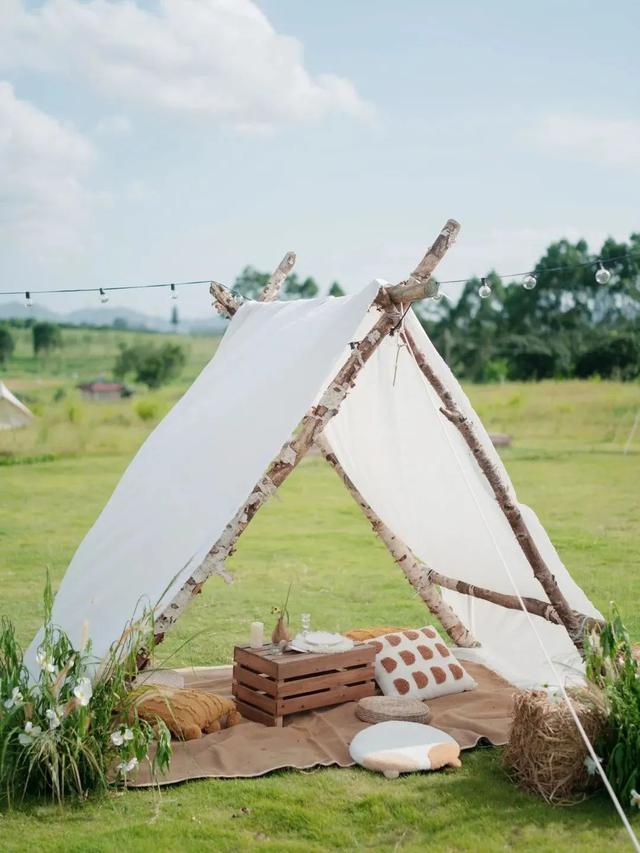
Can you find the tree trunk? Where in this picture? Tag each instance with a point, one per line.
(405, 558)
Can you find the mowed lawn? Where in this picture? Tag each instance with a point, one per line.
(566, 461)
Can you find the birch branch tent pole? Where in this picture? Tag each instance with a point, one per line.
(312, 424)
(509, 507)
(359, 374)
(407, 561)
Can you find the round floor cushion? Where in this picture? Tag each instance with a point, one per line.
(379, 709)
(398, 747)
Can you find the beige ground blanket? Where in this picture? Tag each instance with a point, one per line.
(323, 737)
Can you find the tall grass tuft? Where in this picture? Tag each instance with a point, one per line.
(612, 666)
(71, 728)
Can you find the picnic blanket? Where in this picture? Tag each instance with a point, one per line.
(322, 738)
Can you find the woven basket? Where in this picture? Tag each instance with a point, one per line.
(379, 709)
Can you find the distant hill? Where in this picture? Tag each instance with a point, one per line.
(106, 316)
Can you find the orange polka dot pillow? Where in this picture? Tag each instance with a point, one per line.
(417, 664)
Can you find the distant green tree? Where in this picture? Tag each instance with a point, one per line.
(616, 355)
(336, 290)
(251, 282)
(7, 344)
(120, 323)
(294, 288)
(153, 366)
(46, 337)
(175, 320)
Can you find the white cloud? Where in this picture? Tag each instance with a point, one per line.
(216, 58)
(113, 126)
(43, 165)
(602, 141)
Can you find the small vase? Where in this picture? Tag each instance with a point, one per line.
(280, 633)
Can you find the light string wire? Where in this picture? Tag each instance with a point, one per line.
(616, 802)
(175, 284)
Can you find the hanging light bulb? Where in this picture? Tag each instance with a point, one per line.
(103, 296)
(174, 292)
(603, 275)
(484, 291)
(27, 300)
(529, 281)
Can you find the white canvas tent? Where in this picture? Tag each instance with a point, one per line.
(359, 375)
(13, 413)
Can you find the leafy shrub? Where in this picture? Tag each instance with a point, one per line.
(613, 668)
(61, 733)
(146, 409)
(154, 366)
(46, 336)
(617, 355)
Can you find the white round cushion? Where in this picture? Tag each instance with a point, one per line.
(397, 747)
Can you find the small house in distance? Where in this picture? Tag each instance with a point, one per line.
(103, 391)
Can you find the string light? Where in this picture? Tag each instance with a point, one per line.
(103, 296)
(484, 291)
(27, 300)
(529, 281)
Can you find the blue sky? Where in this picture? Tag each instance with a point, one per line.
(160, 141)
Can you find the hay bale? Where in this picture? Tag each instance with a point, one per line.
(546, 753)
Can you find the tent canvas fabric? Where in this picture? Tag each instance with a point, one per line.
(197, 468)
(13, 413)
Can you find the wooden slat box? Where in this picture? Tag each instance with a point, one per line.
(268, 684)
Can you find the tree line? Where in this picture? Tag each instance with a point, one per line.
(568, 325)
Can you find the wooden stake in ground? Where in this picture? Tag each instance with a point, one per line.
(296, 447)
(503, 496)
(405, 558)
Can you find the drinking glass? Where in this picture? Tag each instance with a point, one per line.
(305, 618)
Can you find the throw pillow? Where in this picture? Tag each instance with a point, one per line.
(418, 664)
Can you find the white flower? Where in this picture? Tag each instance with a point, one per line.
(30, 733)
(591, 765)
(127, 766)
(53, 717)
(635, 798)
(14, 700)
(83, 691)
(45, 661)
(121, 735)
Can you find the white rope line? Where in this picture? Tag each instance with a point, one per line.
(632, 836)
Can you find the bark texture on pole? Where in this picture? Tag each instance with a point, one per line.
(287, 459)
(278, 277)
(293, 450)
(418, 285)
(533, 605)
(224, 301)
(503, 496)
(405, 558)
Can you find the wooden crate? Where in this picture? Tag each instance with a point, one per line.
(268, 684)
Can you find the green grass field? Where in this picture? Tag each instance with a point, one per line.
(566, 461)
